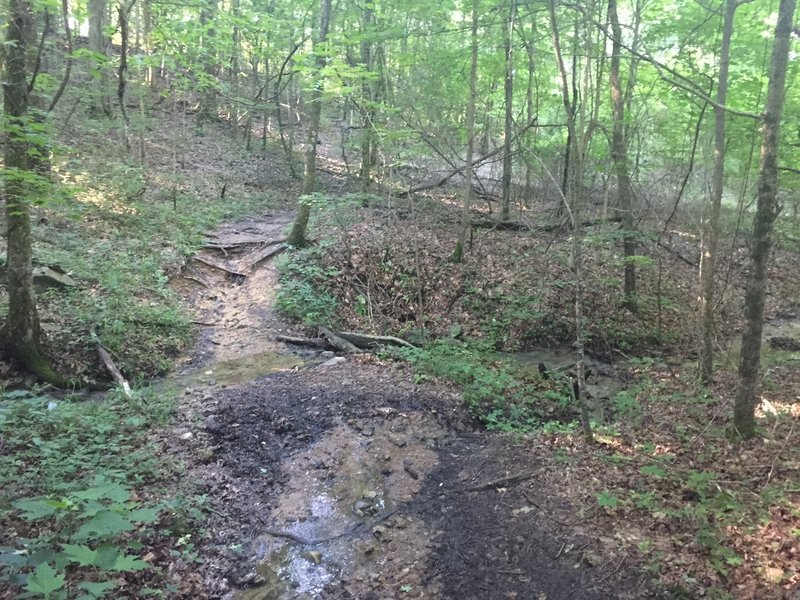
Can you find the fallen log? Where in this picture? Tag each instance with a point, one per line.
(112, 368)
(300, 341)
(264, 254)
(370, 342)
(341, 344)
(219, 266)
(229, 243)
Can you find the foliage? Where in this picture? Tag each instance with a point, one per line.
(68, 479)
(303, 294)
(502, 395)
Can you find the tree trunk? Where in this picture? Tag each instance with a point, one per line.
(619, 154)
(710, 240)
(22, 328)
(766, 212)
(207, 111)
(297, 237)
(473, 94)
(367, 99)
(98, 43)
(572, 204)
(508, 131)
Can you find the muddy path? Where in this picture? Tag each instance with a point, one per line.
(344, 479)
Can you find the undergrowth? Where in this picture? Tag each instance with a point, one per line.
(304, 294)
(500, 394)
(73, 522)
(122, 232)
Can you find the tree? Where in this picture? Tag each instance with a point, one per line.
(508, 127)
(470, 124)
(98, 44)
(297, 237)
(708, 254)
(572, 204)
(619, 155)
(763, 223)
(21, 181)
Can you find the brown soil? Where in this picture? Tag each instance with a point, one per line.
(348, 480)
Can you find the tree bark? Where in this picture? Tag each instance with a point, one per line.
(572, 204)
(508, 130)
(763, 222)
(619, 154)
(297, 237)
(22, 328)
(473, 94)
(98, 43)
(710, 241)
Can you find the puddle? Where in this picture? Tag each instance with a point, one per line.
(340, 507)
(778, 342)
(241, 370)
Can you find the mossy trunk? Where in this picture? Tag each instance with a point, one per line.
(21, 332)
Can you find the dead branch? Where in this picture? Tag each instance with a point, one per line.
(338, 342)
(219, 266)
(298, 341)
(369, 342)
(112, 368)
(500, 482)
(259, 256)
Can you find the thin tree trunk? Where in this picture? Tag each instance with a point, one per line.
(619, 154)
(572, 204)
(98, 43)
(297, 237)
(22, 328)
(710, 239)
(508, 130)
(766, 213)
(473, 94)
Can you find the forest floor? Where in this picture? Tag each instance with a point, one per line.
(341, 478)
(289, 473)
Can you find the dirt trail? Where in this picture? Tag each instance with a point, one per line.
(348, 480)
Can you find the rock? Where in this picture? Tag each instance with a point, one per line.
(187, 436)
(333, 361)
(313, 556)
(45, 278)
(784, 343)
(398, 441)
(326, 354)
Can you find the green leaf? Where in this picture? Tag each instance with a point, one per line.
(607, 500)
(45, 580)
(103, 524)
(143, 515)
(36, 509)
(97, 589)
(127, 562)
(653, 470)
(111, 491)
(83, 555)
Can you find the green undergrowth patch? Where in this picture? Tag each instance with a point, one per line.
(122, 232)
(304, 293)
(502, 395)
(71, 475)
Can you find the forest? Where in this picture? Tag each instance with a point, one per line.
(370, 299)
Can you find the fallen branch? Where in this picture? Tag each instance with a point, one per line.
(229, 243)
(264, 254)
(369, 342)
(219, 266)
(112, 368)
(689, 262)
(341, 344)
(298, 341)
(501, 482)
